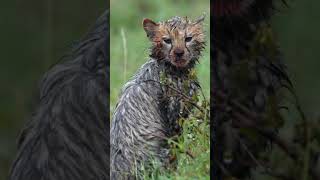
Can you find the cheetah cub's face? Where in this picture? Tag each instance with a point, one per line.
(178, 40)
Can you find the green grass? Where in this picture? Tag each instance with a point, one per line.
(129, 50)
(193, 152)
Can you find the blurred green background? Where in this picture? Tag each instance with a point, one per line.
(35, 34)
(129, 43)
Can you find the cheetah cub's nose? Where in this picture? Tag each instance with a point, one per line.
(179, 52)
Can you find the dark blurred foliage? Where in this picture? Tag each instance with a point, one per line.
(297, 29)
(34, 35)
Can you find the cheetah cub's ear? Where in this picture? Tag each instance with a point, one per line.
(150, 27)
(200, 19)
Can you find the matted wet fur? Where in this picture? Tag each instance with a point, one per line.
(68, 136)
(151, 102)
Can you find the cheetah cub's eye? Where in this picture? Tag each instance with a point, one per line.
(167, 40)
(188, 39)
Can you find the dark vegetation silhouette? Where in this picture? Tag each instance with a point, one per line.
(251, 93)
(68, 135)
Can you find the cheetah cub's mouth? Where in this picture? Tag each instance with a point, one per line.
(180, 63)
(178, 41)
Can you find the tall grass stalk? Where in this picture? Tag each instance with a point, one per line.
(125, 54)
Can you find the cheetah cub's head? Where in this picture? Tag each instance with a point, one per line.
(178, 41)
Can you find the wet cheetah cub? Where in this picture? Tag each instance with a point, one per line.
(155, 98)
